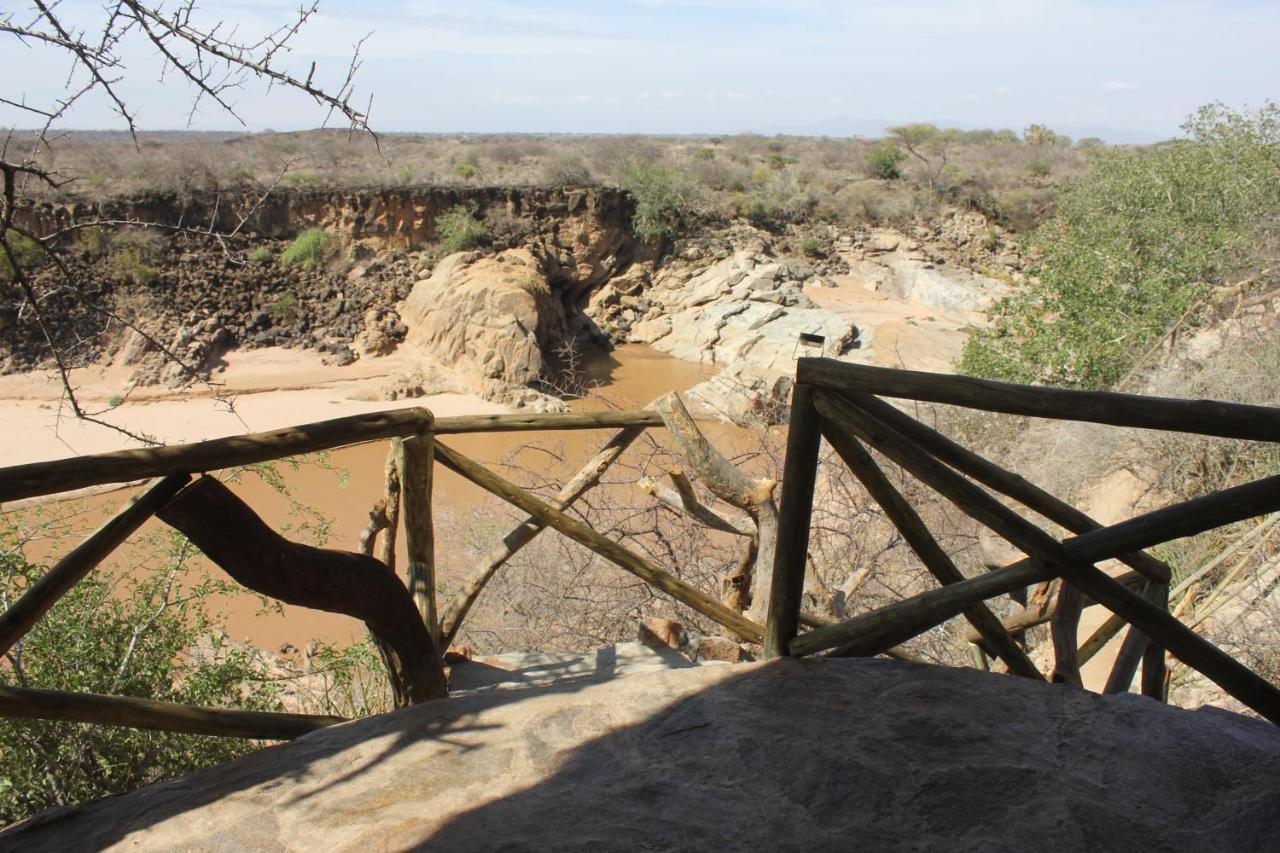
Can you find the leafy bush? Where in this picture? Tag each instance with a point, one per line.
(566, 172)
(782, 198)
(307, 249)
(300, 180)
(130, 264)
(284, 308)
(260, 255)
(811, 247)
(1139, 243)
(129, 636)
(459, 229)
(665, 199)
(26, 252)
(883, 161)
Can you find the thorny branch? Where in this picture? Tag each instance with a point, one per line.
(215, 61)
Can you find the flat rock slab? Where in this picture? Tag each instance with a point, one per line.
(783, 755)
(538, 669)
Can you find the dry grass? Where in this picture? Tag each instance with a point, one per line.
(1005, 179)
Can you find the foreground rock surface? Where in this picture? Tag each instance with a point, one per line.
(785, 755)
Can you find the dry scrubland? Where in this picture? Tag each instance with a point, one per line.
(1005, 175)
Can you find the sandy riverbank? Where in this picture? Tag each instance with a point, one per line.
(257, 390)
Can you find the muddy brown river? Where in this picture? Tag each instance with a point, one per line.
(344, 484)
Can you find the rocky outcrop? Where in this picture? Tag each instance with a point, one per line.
(493, 320)
(746, 312)
(784, 755)
(905, 269)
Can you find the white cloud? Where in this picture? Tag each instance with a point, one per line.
(1001, 90)
(1119, 86)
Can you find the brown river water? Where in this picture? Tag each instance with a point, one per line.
(350, 480)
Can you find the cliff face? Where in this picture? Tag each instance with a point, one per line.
(402, 218)
(197, 297)
(786, 755)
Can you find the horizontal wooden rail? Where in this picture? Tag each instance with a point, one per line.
(122, 466)
(29, 703)
(1205, 417)
(545, 421)
(79, 561)
(1006, 482)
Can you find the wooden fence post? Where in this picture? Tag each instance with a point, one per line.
(799, 477)
(415, 456)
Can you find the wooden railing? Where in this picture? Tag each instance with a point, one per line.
(841, 403)
(404, 621)
(833, 400)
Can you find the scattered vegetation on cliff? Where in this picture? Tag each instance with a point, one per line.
(458, 229)
(307, 249)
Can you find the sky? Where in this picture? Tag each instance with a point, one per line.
(1127, 71)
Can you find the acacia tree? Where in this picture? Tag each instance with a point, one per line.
(206, 58)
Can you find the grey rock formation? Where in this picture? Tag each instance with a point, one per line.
(784, 755)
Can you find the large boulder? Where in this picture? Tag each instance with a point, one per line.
(785, 755)
(493, 319)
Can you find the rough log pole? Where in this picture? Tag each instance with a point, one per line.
(1002, 480)
(586, 478)
(1155, 622)
(605, 547)
(414, 458)
(1037, 614)
(46, 478)
(1203, 417)
(799, 479)
(71, 569)
(871, 633)
(29, 703)
(1153, 666)
(1064, 630)
(1125, 666)
(548, 421)
(255, 556)
(917, 535)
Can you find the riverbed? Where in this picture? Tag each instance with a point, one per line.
(340, 486)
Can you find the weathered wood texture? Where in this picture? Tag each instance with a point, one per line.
(30, 703)
(414, 462)
(242, 544)
(799, 479)
(79, 561)
(1037, 614)
(544, 421)
(1203, 417)
(581, 482)
(1002, 480)
(871, 633)
(729, 484)
(605, 547)
(1181, 641)
(917, 535)
(1154, 675)
(77, 472)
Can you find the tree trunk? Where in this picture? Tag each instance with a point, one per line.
(238, 541)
